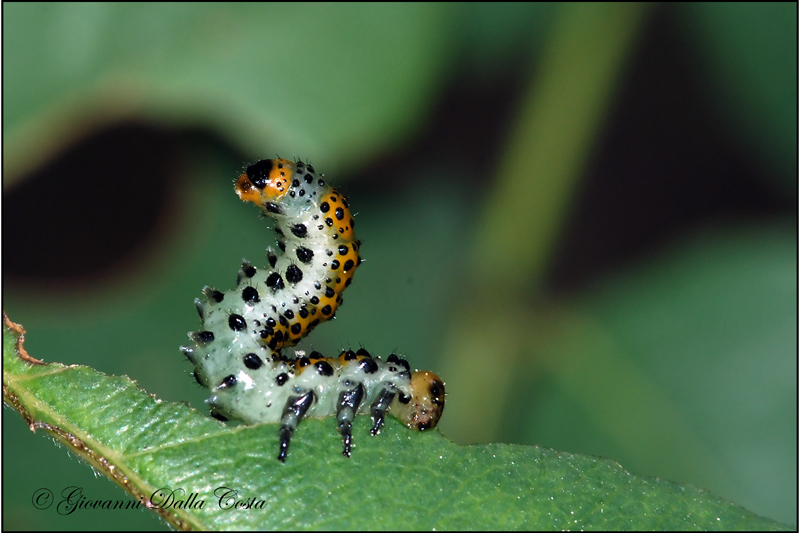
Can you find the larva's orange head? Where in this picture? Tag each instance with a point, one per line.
(424, 408)
(266, 181)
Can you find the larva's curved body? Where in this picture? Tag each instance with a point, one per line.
(238, 354)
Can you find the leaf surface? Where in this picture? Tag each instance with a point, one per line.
(201, 474)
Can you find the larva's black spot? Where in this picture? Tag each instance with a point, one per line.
(344, 202)
(258, 173)
(303, 361)
(272, 258)
(339, 213)
(248, 269)
(348, 265)
(296, 328)
(369, 366)
(301, 192)
(359, 261)
(273, 208)
(299, 230)
(324, 207)
(279, 334)
(314, 323)
(295, 183)
(282, 246)
(289, 314)
(303, 313)
(219, 417)
(273, 344)
(228, 382)
(265, 333)
(352, 223)
(404, 364)
(204, 337)
(326, 310)
(304, 255)
(435, 390)
(364, 352)
(282, 378)
(283, 321)
(279, 231)
(334, 264)
(402, 398)
(314, 300)
(347, 283)
(197, 378)
(329, 292)
(321, 183)
(275, 281)
(294, 274)
(329, 222)
(343, 249)
(213, 294)
(236, 323)
(309, 178)
(349, 355)
(324, 368)
(252, 361)
(271, 322)
(250, 295)
(310, 168)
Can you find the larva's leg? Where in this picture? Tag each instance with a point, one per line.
(349, 401)
(293, 413)
(379, 408)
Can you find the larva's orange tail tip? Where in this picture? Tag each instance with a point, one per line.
(426, 404)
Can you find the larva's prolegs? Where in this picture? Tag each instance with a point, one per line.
(296, 408)
(379, 408)
(349, 402)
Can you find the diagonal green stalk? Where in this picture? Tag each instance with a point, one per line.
(570, 93)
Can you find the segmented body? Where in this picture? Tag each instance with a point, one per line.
(238, 354)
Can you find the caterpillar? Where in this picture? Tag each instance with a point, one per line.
(239, 353)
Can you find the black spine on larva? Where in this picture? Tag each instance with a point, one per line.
(294, 274)
(250, 295)
(275, 281)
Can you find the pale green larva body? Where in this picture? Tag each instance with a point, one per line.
(238, 353)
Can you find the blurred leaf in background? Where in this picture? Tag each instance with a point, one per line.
(658, 327)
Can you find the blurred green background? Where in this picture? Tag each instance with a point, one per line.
(583, 217)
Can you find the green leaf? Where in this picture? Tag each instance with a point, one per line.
(325, 81)
(397, 480)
